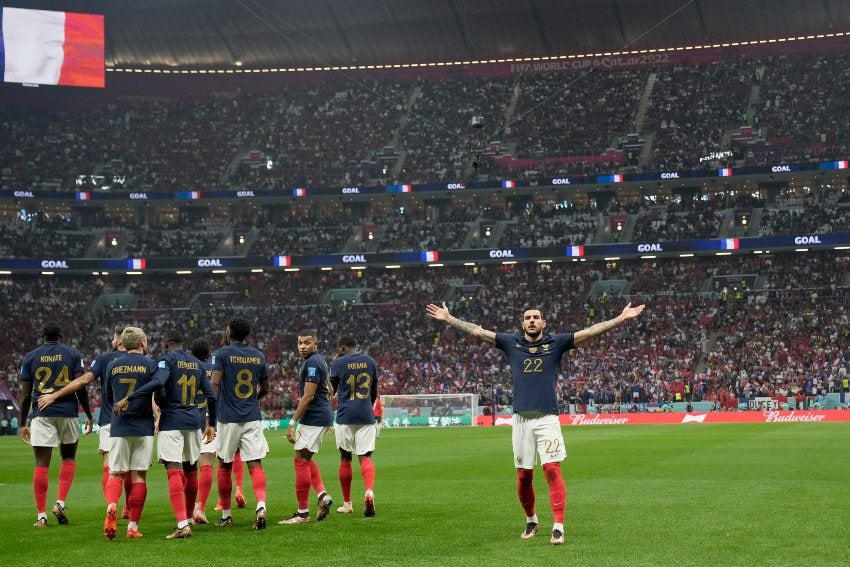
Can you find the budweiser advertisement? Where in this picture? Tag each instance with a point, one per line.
(802, 416)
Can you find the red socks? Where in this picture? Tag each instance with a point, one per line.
(205, 485)
(104, 479)
(258, 481)
(225, 487)
(316, 477)
(190, 489)
(66, 477)
(39, 488)
(525, 490)
(113, 489)
(128, 486)
(367, 470)
(302, 483)
(176, 482)
(345, 475)
(557, 490)
(136, 499)
(238, 470)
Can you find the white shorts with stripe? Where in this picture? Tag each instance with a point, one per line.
(247, 438)
(179, 446)
(537, 435)
(356, 438)
(54, 431)
(309, 437)
(131, 454)
(104, 441)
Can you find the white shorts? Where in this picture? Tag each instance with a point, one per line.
(54, 431)
(210, 447)
(131, 454)
(179, 446)
(356, 438)
(308, 437)
(247, 438)
(533, 436)
(104, 440)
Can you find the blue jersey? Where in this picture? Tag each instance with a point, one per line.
(203, 390)
(50, 367)
(126, 375)
(244, 367)
(178, 400)
(355, 379)
(98, 369)
(320, 412)
(534, 367)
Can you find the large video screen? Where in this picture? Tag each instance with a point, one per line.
(38, 47)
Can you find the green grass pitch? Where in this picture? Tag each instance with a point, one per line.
(749, 494)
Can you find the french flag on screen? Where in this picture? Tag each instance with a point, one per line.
(83, 196)
(399, 188)
(138, 264)
(725, 172)
(430, 256)
(730, 244)
(575, 250)
(841, 164)
(508, 184)
(299, 192)
(51, 48)
(282, 261)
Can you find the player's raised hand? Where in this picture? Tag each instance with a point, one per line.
(630, 312)
(25, 434)
(437, 312)
(45, 400)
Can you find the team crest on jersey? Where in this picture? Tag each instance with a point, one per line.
(545, 347)
(311, 371)
(532, 350)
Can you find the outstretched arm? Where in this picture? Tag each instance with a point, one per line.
(594, 331)
(471, 329)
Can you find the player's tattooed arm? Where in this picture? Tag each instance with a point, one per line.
(594, 331)
(441, 313)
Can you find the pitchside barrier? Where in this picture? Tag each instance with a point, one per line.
(770, 416)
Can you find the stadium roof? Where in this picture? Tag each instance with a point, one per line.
(257, 33)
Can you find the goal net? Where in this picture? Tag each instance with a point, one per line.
(429, 410)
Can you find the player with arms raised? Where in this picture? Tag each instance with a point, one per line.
(535, 358)
(354, 377)
(52, 365)
(239, 379)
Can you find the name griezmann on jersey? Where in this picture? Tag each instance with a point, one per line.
(128, 369)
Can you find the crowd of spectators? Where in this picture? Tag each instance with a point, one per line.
(539, 233)
(148, 243)
(30, 241)
(655, 225)
(352, 133)
(293, 241)
(777, 332)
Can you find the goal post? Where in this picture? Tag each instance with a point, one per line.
(429, 410)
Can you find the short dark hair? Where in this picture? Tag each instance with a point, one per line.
(119, 329)
(240, 328)
(173, 337)
(200, 349)
(347, 341)
(51, 331)
(532, 308)
(308, 333)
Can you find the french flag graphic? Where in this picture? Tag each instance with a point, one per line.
(188, 195)
(725, 172)
(508, 184)
(730, 244)
(841, 164)
(51, 48)
(282, 261)
(138, 264)
(299, 192)
(83, 196)
(575, 250)
(430, 256)
(399, 188)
